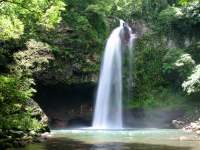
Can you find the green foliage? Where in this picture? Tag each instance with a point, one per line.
(149, 53)
(20, 121)
(127, 9)
(101, 7)
(170, 14)
(170, 58)
(181, 19)
(13, 92)
(17, 16)
(52, 16)
(177, 65)
(192, 84)
(17, 88)
(88, 33)
(185, 2)
(31, 60)
(10, 27)
(159, 73)
(148, 75)
(164, 98)
(191, 12)
(151, 9)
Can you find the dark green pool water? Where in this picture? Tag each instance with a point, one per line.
(133, 139)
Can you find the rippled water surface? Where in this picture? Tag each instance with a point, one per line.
(133, 139)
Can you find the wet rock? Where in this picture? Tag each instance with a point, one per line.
(32, 133)
(15, 134)
(27, 138)
(13, 138)
(46, 135)
(183, 138)
(193, 127)
(198, 132)
(22, 143)
(9, 137)
(188, 138)
(178, 124)
(38, 139)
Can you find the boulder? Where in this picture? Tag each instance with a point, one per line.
(198, 132)
(32, 133)
(183, 138)
(193, 127)
(38, 139)
(178, 124)
(15, 134)
(46, 135)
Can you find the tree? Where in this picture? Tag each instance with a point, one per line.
(20, 17)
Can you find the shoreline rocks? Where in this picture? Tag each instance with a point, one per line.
(177, 124)
(193, 127)
(15, 138)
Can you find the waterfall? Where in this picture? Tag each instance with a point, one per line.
(108, 107)
(130, 82)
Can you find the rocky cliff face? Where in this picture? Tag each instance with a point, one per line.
(76, 56)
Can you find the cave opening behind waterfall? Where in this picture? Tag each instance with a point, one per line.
(67, 106)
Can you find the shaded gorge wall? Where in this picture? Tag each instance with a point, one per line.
(67, 105)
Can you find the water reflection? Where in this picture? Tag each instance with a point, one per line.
(63, 144)
(111, 146)
(116, 140)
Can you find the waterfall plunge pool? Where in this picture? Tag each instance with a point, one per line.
(126, 139)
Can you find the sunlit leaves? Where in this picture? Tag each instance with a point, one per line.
(170, 59)
(101, 7)
(21, 121)
(185, 2)
(184, 59)
(170, 14)
(183, 16)
(52, 16)
(184, 65)
(192, 84)
(14, 90)
(31, 60)
(125, 9)
(19, 15)
(10, 27)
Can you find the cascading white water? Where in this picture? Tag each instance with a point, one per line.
(130, 82)
(108, 107)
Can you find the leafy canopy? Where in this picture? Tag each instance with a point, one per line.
(17, 16)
